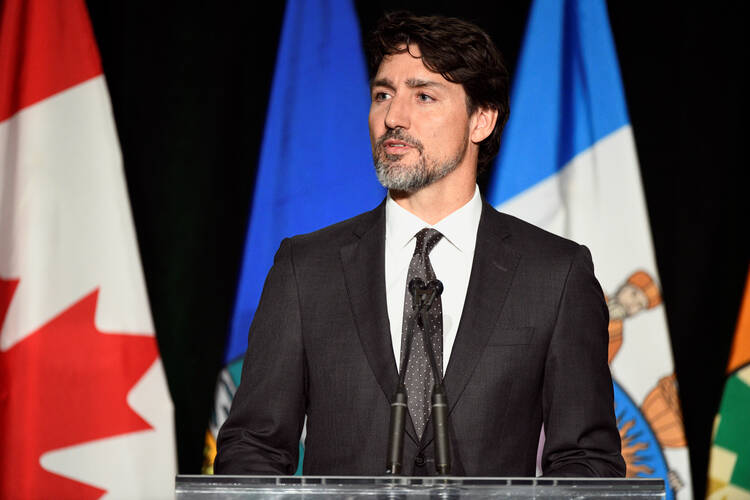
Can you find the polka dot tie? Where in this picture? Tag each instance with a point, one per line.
(419, 379)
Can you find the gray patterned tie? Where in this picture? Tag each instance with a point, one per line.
(419, 379)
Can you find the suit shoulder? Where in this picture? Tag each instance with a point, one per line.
(527, 237)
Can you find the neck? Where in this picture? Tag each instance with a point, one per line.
(441, 198)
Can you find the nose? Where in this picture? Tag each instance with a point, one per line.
(397, 115)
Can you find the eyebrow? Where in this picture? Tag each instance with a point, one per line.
(412, 83)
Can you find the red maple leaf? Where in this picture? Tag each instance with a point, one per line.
(64, 384)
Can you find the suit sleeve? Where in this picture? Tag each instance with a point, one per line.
(261, 434)
(582, 439)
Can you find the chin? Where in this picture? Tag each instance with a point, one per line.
(404, 181)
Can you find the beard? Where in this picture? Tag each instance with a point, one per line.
(397, 175)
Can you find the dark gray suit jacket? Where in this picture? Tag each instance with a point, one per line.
(531, 348)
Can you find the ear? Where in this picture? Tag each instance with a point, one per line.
(482, 124)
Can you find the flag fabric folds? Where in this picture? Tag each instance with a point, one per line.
(315, 165)
(729, 468)
(84, 406)
(568, 164)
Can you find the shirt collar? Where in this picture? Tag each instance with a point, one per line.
(459, 228)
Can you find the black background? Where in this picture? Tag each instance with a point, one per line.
(189, 84)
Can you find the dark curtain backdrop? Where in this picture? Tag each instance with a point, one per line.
(189, 84)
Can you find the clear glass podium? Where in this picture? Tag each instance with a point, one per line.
(297, 487)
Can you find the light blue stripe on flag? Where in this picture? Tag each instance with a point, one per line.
(315, 167)
(567, 94)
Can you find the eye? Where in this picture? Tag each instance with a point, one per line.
(381, 96)
(422, 97)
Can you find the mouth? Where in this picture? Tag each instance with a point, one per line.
(395, 146)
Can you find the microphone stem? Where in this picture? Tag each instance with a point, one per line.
(436, 372)
(399, 405)
(439, 412)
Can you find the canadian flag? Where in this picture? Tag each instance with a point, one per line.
(84, 406)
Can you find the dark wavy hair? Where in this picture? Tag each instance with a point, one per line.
(461, 52)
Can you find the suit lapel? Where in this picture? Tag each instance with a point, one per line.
(363, 261)
(491, 276)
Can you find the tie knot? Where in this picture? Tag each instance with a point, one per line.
(427, 238)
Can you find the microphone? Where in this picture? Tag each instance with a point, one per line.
(440, 430)
(423, 295)
(419, 292)
(416, 284)
(396, 432)
(437, 289)
(439, 398)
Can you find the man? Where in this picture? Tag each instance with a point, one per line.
(520, 331)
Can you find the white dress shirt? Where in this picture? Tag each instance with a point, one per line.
(451, 260)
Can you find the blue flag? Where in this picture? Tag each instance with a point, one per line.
(568, 164)
(316, 164)
(567, 94)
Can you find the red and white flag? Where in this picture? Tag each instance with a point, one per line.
(84, 406)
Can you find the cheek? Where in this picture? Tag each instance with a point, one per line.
(450, 128)
(377, 114)
(373, 126)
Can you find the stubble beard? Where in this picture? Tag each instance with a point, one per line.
(396, 175)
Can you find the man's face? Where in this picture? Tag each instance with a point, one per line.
(419, 124)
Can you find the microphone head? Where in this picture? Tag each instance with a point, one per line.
(416, 284)
(436, 285)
